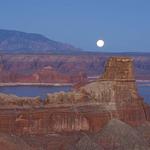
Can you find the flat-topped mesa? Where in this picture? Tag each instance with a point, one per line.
(119, 68)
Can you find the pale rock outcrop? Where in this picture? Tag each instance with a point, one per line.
(14, 101)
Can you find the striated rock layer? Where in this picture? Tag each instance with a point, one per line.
(65, 68)
(86, 110)
(114, 95)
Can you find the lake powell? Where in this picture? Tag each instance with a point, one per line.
(144, 90)
(32, 91)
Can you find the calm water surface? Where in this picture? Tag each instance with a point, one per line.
(31, 91)
(144, 90)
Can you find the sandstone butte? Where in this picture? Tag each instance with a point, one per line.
(106, 114)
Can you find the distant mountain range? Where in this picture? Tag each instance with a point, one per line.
(16, 41)
(23, 55)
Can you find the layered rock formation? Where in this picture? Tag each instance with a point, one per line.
(44, 75)
(113, 95)
(117, 89)
(94, 108)
(30, 67)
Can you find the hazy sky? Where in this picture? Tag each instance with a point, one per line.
(124, 25)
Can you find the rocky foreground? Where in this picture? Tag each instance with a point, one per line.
(106, 114)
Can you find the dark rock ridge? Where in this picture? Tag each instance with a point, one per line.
(121, 136)
(12, 142)
(16, 41)
(85, 143)
(107, 114)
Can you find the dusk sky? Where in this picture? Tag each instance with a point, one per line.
(124, 25)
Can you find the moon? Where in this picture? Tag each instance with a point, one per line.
(100, 43)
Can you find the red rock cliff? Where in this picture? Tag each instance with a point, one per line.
(114, 95)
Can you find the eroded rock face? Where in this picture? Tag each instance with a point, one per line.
(117, 89)
(61, 121)
(89, 108)
(22, 67)
(44, 75)
(69, 122)
(117, 84)
(119, 68)
(115, 93)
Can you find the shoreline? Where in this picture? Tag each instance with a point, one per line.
(143, 80)
(51, 84)
(35, 84)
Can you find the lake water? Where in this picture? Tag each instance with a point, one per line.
(144, 90)
(31, 91)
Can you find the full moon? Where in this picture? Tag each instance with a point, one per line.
(100, 43)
